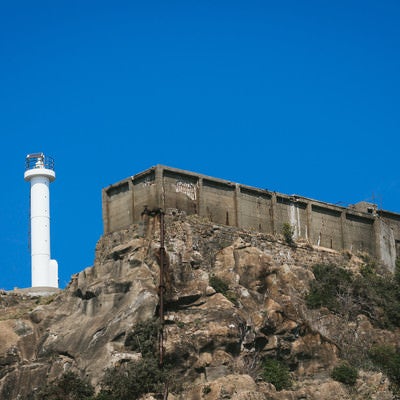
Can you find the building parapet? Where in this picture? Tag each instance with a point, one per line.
(356, 228)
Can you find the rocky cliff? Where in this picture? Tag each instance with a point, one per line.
(233, 299)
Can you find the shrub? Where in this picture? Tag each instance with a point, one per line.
(132, 380)
(219, 285)
(288, 232)
(397, 271)
(143, 338)
(330, 281)
(277, 373)
(345, 373)
(368, 269)
(379, 298)
(222, 287)
(68, 387)
(376, 296)
(388, 360)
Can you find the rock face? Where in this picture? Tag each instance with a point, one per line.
(217, 338)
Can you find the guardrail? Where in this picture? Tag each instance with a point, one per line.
(39, 160)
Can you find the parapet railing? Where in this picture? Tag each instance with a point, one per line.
(39, 160)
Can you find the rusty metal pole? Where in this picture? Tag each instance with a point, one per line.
(161, 288)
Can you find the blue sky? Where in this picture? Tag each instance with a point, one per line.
(294, 96)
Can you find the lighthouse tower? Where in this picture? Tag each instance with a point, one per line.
(39, 172)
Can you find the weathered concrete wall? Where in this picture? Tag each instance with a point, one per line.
(119, 206)
(359, 228)
(255, 210)
(386, 243)
(326, 226)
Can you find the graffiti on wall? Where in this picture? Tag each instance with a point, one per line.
(187, 188)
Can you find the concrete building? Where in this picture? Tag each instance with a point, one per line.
(361, 227)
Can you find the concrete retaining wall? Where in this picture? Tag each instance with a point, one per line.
(360, 228)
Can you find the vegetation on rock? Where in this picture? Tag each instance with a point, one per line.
(345, 373)
(68, 387)
(221, 286)
(132, 380)
(370, 293)
(288, 233)
(128, 381)
(277, 373)
(143, 339)
(387, 358)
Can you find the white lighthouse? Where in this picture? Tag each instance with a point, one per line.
(39, 172)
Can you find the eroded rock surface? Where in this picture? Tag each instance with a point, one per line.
(216, 340)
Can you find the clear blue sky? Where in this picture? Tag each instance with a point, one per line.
(294, 96)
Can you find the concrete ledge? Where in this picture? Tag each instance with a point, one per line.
(37, 291)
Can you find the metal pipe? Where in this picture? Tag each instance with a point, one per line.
(161, 288)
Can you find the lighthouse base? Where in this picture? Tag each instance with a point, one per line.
(44, 272)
